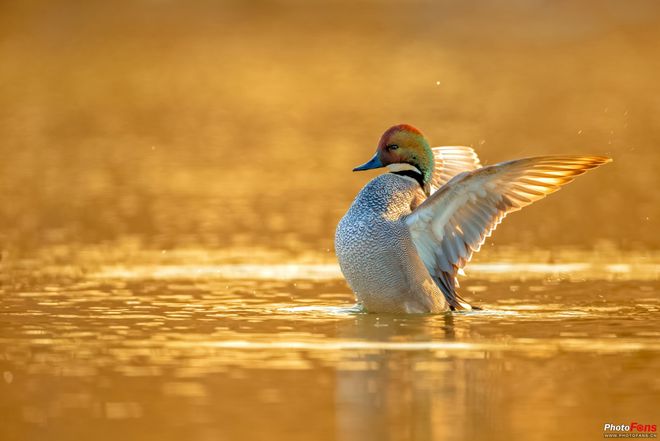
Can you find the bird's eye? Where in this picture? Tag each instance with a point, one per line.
(392, 147)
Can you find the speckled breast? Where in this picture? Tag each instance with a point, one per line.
(371, 241)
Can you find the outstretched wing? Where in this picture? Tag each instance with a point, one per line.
(450, 161)
(455, 221)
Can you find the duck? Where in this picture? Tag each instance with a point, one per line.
(411, 231)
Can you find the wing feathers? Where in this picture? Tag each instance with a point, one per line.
(454, 222)
(450, 161)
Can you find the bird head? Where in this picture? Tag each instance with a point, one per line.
(403, 147)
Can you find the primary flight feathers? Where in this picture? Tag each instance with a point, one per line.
(454, 222)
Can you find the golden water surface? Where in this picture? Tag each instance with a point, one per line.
(172, 173)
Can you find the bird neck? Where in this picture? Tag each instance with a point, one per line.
(409, 170)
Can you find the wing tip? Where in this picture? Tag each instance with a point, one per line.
(597, 161)
(600, 159)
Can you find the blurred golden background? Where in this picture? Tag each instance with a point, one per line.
(232, 123)
(171, 176)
